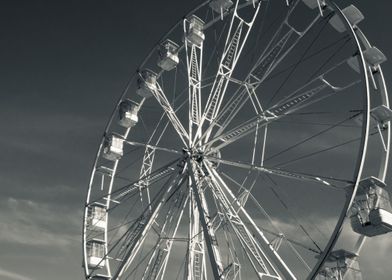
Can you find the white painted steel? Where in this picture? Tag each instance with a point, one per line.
(195, 193)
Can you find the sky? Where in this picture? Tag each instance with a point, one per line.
(63, 65)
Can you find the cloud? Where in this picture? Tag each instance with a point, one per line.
(59, 140)
(12, 275)
(36, 224)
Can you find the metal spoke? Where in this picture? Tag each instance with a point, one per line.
(295, 101)
(152, 147)
(324, 180)
(267, 62)
(262, 252)
(237, 35)
(324, 150)
(330, 127)
(326, 19)
(138, 236)
(158, 260)
(277, 231)
(155, 176)
(170, 113)
(216, 264)
(194, 62)
(149, 155)
(169, 245)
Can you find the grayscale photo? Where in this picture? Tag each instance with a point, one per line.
(195, 140)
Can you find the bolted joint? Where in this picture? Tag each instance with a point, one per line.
(198, 156)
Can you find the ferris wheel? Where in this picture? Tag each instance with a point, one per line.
(251, 143)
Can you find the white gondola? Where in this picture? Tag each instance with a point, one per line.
(113, 147)
(195, 34)
(382, 114)
(371, 211)
(96, 253)
(147, 83)
(220, 6)
(97, 216)
(128, 111)
(374, 57)
(341, 264)
(353, 15)
(168, 55)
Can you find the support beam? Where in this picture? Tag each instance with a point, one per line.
(152, 147)
(299, 99)
(146, 223)
(159, 258)
(272, 56)
(170, 113)
(194, 63)
(151, 177)
(205, 226)
(265, 244)
(237, 35)
(324, 180)
(235, 41)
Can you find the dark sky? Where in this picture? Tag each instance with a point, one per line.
(63, 65)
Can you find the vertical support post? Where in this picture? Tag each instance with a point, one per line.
(207, 237)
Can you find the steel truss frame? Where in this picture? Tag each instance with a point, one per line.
(208, 132)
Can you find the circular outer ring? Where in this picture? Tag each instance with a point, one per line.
(359, 38)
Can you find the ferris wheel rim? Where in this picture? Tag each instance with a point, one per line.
(135, 75)
(361, 158)
(380, 82)
(122, 96)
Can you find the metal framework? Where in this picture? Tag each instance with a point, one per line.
(211, 170)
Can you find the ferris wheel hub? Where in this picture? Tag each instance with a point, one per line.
(194, 154)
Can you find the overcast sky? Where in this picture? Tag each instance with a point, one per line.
(63, 64)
